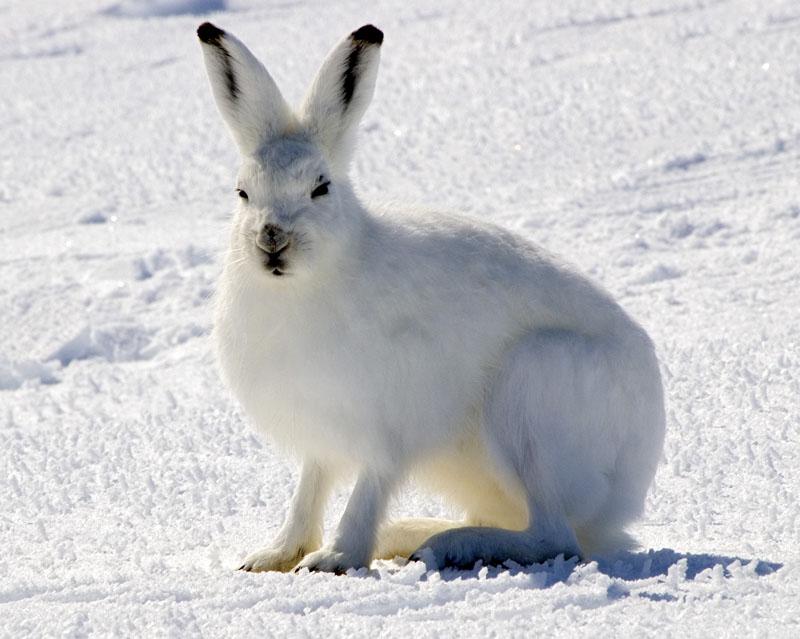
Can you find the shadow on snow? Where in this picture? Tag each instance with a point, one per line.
(627, 566)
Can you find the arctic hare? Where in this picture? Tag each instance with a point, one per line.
(399, 344)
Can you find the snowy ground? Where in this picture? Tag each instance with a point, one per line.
(656, 144)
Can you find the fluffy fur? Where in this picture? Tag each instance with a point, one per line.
(398, 344)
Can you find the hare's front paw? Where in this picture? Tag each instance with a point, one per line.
(327, 560)
(272, 558)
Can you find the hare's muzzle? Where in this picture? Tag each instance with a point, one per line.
(273, 242)
(272, 239)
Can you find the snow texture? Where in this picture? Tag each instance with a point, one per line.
(656, 144)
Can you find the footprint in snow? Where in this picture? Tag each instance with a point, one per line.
(659, 273)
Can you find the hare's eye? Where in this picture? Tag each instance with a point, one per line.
(322, 189)
(242, 194)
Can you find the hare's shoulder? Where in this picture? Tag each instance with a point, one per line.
(433, 236)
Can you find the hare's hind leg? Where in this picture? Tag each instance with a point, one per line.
(461, 547)
(557, 423)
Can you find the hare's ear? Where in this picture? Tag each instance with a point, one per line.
(341, 93)
(246, 95)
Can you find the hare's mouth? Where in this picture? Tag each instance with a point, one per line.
(274, 261)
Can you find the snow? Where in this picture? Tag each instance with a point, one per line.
(656, 144)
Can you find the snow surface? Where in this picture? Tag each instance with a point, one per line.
(654, 143)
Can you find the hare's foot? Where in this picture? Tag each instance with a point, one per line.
(272, 559)
(330, 560)
(463, 547)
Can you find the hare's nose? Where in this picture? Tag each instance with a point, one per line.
(272, 238)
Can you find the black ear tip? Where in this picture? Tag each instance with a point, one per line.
(209, 34)
(368, 34)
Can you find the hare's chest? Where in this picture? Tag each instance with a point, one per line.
(289, 368)
(334, 386)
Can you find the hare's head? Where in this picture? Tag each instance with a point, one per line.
(296, 206)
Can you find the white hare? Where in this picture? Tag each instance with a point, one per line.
(408, 345)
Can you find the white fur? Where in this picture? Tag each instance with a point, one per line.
(402, 343)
